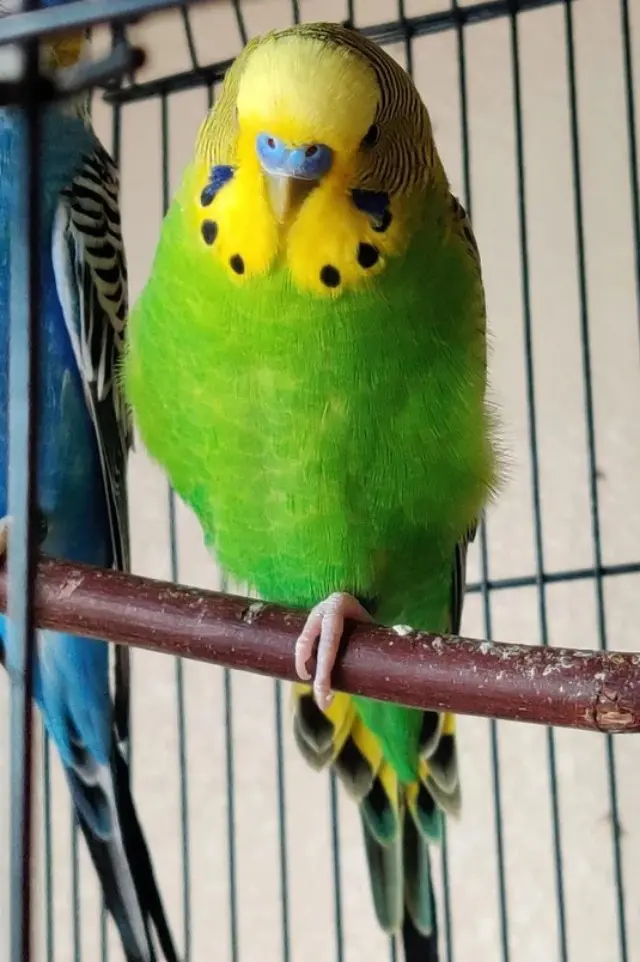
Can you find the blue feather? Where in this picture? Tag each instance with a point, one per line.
(221, 174)
(375, 204)
(70, 485)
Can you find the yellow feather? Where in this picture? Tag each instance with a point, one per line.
(278, 93)
(389, 781)
(273, 87)
(449, 724)
(341, 714)
(328, 229)
(367, 744)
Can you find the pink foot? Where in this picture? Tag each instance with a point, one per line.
(326, 623)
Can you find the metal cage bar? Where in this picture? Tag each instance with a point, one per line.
(23, 427)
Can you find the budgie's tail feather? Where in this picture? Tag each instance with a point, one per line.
(119, 852)
(400, 875)
(139, 857)
(399, 820)
(419, 947)
(386, 874)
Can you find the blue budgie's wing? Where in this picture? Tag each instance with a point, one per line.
(91, 282)
(91, 276)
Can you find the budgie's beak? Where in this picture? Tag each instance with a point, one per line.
(291, 172)
(286, 194)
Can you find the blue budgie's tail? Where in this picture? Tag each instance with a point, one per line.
(107, 816)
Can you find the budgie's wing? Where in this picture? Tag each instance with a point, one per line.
(459, 578)
(462, 228)
(91, 278)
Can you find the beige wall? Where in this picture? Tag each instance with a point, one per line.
(613, 322)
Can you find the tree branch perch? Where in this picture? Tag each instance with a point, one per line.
(551, 686)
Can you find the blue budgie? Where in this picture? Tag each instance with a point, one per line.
(85, 436)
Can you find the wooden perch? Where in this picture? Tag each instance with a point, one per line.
(551, 686)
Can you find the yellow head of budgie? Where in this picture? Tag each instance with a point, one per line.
(57, 53)
(308, 116)
(65, 51)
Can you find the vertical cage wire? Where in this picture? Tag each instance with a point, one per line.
(630, 104)
(482, 532)
(173, 547)
(229, 754)
(535, 484)
(594, 497)
(118, 33)
(23, 428)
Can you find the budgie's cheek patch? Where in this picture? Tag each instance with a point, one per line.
(235, 221)
(340, 241)
(220, 175)
(376, 205)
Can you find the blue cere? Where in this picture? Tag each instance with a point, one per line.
(308, 162)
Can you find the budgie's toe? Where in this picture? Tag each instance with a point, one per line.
(5, 526)
(326, 623)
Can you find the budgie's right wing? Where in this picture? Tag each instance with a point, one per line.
(91, 279)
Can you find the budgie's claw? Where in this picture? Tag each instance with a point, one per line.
(326, 623)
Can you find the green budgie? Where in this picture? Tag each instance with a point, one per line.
(308, 363)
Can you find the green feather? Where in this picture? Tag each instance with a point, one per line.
(331, 444)
(319, 441)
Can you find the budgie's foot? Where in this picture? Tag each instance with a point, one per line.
(5, 527)
(325, 624)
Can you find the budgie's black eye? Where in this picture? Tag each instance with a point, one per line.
(370, 139)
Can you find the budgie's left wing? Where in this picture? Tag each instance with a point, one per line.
(91, 278)
(462, 226)
(459, 578)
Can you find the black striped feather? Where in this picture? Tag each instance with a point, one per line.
(91, 277)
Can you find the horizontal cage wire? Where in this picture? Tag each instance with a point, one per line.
(534, 115)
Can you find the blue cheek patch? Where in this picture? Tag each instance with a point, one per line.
(375, 204)
(221, 174)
